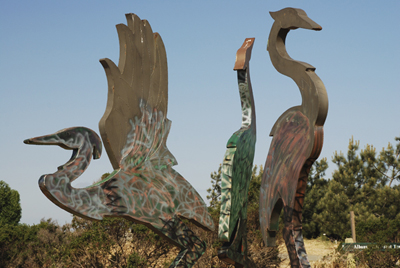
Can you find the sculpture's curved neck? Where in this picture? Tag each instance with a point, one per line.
(80, 201)
(314, 97)
(242, 63)
(246, 99)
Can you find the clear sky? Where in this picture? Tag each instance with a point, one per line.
(51, 79)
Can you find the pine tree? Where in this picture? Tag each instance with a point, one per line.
(390, 159)
(215, 191)
(316, 189)
(359, 184)
(334, 218)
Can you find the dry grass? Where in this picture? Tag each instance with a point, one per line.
(316, 248)
(320, 247)
(323, 254)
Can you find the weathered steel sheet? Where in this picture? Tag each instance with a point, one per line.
(297, 140)
(143, 187)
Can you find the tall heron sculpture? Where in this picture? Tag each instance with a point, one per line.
(297, 140)
(237, 169)
(143, 188)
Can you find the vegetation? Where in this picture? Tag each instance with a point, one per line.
(10, 208)
(363, 181)
(113, 242)
(367, 183)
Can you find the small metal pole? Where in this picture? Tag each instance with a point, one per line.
(353, 226)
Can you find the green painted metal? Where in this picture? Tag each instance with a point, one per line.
(236, 170)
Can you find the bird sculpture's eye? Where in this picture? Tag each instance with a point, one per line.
(67, 136)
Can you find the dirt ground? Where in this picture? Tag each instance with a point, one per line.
(316, 249)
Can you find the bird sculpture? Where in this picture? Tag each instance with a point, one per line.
(236, 170)
(143, 188)
(296, 143)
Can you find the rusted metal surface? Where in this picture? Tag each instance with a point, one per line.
(297, 140)
(143, 187)
(237, 169)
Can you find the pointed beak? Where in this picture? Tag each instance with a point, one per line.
(28, 141)
(309, 24)
(293, 18)
(243, 54)
(51, 139)
(42, 140)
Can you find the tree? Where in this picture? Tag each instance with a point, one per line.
(39, 245)
(214, 196)
(334, 218)
(359, 184)
(390, 159)
(316, 189)
(10, 208)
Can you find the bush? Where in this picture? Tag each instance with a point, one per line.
(378, 230)
(375, 257)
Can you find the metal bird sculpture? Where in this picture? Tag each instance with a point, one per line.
(143, 188)
(237, 169)
(297, 140)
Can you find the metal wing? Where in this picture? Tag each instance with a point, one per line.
(139, 83)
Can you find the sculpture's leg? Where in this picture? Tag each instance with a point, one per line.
(300, 249)
(235, 252)
(297, 215)
(294, 241)
(192, 248)
(288, 237)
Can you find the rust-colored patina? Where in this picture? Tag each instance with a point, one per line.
(297, 140)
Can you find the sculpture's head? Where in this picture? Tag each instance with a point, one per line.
(293, 18)
(71, 139)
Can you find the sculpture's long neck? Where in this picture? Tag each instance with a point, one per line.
(314, 98)
(247, 99)
(84, 202)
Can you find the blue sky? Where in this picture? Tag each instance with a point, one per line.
(51, 79)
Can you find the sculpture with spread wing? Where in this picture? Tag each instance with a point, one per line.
(143, 187)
